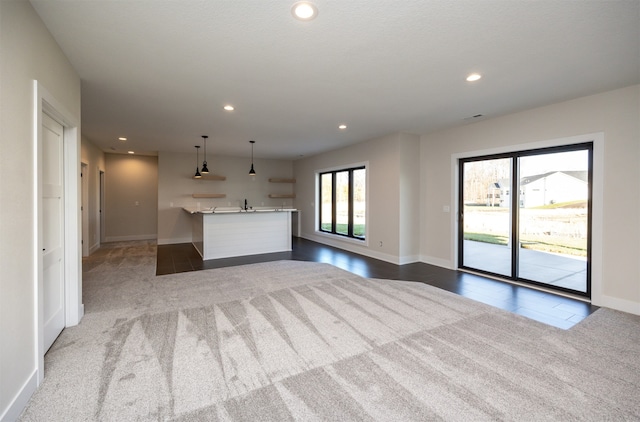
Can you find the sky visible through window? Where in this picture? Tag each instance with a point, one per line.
(561, 161)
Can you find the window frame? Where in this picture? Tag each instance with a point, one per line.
(350, 202)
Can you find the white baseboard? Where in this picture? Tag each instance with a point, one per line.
(94, 248)
(362, 250)
(133, 237)
(408, 259)
(619, 304)
(379, 255)
(351, 247)
(173, 241)
(438, 262)
(19, 402)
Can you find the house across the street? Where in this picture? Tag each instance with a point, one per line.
(549, 188)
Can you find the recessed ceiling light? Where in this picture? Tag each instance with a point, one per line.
(229, 107)
(122, 138)
(342, 127)
(131, 152)
(474, 77)
(304, 10)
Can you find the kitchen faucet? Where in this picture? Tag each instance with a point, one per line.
(245, 204)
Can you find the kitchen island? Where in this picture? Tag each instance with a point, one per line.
(225, 232)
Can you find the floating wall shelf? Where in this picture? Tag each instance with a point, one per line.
(285, 195)
(210, 177)
(209, 195)
(281, 180)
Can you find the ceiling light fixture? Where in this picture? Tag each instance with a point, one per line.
(122, 138)
(131, 152)
(229, 107)
(474, 77)
(342, 127)
(252, 172)
(304, 10)
(197, 175)
(205, 169)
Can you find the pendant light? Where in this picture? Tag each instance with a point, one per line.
(197, 175)
(205, 169)
(252, 172)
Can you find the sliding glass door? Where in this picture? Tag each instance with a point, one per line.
(487, 215)
(526, 216)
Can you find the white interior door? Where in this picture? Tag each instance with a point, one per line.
(52, 229)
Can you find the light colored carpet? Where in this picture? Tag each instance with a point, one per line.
(305, 341)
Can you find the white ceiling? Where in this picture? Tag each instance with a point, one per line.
(160, 71)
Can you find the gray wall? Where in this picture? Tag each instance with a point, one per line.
(131, 197)
(27, 53)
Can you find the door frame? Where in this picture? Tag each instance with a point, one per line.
(101, 175)
(84, 208)
(44, 102)
(597, 199)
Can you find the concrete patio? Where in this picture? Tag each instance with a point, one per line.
(553, 269)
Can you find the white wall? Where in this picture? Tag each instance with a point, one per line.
(392, 190)
(614, 114)
(27, 53)
(94, 158)
(176, 186)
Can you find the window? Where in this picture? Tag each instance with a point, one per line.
(342, 201)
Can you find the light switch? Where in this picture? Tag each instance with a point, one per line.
(446, 208)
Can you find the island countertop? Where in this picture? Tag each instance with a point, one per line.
(234, 210)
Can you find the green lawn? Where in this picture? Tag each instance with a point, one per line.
(487, 238)
(576, 248)
(571, 204)
(358, 229)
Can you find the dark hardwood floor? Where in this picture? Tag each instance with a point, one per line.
(548, 308)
